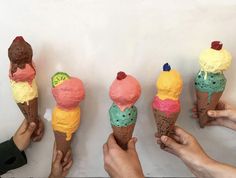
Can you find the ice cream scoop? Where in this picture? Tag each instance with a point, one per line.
(125, 91)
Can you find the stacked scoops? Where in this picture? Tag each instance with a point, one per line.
(68, 93)
(210, 81)
(22, 78)
(166, 104)
(124, 91)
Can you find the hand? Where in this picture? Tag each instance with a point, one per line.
(60, 168)
(39, 132)
(119, 163)
(224, 115)
(187, 148)
(23, 135)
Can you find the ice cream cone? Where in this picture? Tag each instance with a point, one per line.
(124, 92)
(204, 105)
(30, 110)
(62, 144)
(165, 124)
(210, 81)
(123, 135)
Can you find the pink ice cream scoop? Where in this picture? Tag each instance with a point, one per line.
(69, 94)
(125, 91)
(23, 75)
(167, 106)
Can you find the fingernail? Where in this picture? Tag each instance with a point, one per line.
(211, 113)
(32, 124)
(164, 138)
(135, 139)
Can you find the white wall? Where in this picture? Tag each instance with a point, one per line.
(94, 39)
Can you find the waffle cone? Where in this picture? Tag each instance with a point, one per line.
(165, 124)
(62, 144)
(30, 111)
(203, 105)
(123, 135)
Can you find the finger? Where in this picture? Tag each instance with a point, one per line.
(23, 126)
(68, 166)
(219, 113)
(41, 127)
(105, 149)
(68, 155)
(58, 158)
(183, 135)
(180, 132)
(223, 122)
(54, 151)
(170, 143)
(159, 141)
(195, 115)
(111, 142)
(131, 144)
(30, 129)
(176, 138)
(194, 109)
(38, 137)
(169, 150)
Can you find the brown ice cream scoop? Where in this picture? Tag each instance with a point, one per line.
(20, 52)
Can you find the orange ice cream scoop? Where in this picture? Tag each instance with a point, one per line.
(66, 121)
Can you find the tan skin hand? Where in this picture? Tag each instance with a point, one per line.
(224, 115)
(186, 147)
(119, 163)
(39, 132)
(23, 135)
(60, 168)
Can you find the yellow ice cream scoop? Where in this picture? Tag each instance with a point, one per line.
(215, 59)
(23, 91)
(169, 84)
(66, 121)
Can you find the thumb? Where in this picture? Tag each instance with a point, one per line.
(131, 144)
(219, 113)
(170, 143)
(30, 129)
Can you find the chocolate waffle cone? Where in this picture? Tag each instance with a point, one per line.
(62, 144)
(165, 124)
(123, 135)
(203, 105)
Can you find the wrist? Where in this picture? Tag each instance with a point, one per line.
(53, 176)
(207, 169)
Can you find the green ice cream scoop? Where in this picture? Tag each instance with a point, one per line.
(124, 118)
(210, 82)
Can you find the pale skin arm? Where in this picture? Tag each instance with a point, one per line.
(186, 147)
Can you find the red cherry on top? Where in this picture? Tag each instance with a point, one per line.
(18, 39)
(121, 75)
(217, 45)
